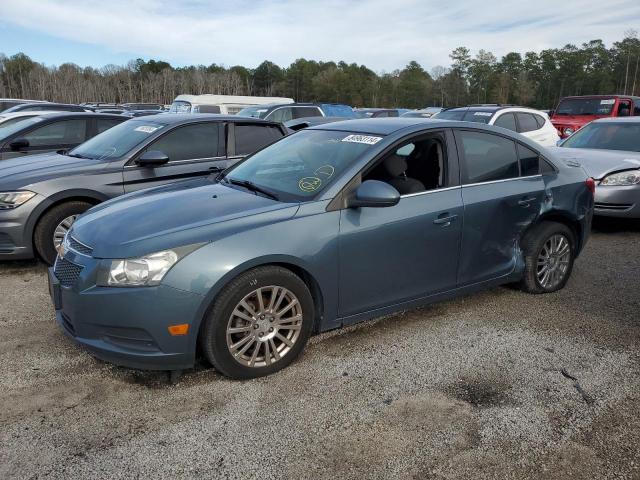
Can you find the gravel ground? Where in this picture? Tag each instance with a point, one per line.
(495, 385)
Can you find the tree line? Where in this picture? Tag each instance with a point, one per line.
(537, 79)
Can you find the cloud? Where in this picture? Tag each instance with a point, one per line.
(381, 34)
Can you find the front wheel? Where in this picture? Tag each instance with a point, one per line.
(259, 324)
(549, 251)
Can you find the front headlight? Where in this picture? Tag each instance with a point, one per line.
(143, 271)
(630, 177)
(11, 200)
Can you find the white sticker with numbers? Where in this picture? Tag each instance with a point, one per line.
(368, 139)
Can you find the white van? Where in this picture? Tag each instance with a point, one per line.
(225, 104)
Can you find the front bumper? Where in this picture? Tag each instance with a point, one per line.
(15, 233)
(125, 326)
(621, 202)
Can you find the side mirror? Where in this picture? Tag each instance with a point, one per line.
(374, 193)
(19, 144)
(152, 158)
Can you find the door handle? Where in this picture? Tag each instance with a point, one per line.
(445, 219)
(526, 202)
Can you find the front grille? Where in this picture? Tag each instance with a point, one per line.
(66, 272)
(613, 206)
(79, 247)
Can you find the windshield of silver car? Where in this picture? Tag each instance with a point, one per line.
(299, 167)
(606, 136)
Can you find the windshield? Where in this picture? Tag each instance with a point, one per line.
(14, 125)
(116, 141)
(334, 110)
(606, 136)
(586, 106)
(180, 106)
(477, 116)
(254, 112)
(299, 167)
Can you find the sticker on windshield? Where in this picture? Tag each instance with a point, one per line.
(326, 171)
(309, 184)
(146, 129)
(369, 140)
(483, 114)
(608, 101)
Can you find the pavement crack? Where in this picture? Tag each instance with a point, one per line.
(576, 384)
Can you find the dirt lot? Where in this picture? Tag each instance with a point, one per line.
(496, 385)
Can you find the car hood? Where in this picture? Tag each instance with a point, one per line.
(599, 163)
(180, 214)
(20, 172)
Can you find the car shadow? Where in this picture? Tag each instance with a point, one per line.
(615, 225)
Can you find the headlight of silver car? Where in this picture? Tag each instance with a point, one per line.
(11, 200)
(630, 177)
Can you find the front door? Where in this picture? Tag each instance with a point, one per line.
(194, 150)
(408, 251)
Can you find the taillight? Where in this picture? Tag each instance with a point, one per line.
(591, 185)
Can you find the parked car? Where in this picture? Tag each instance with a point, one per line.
(39, 106)
(376, 112)
(50, 132)
(330, 226)
(8, 119)
(142, 106)
(573, 113)
(531, 123)
(6, 103)
(285, 112)
(609, 150)
(224, 104)
(40, 199)
(423, 113)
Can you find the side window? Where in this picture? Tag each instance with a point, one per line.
(189, 143)
(414, 167)
(65, 132)
(281, 115)
(487, 157)
(539, 120)
(393, 113)
(208, 108)
(527, 122)
(251, 138)
(103, 124)
(302, 112)
(529, 161)
(506, 120)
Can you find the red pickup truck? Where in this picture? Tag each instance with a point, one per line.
(575, 112)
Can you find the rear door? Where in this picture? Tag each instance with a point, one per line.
(502, 196)
(194, 150)
(62, 134)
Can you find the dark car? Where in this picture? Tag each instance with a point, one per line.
(41, 106)
(330, 226)
(41, 198)
(7, 103)
(376, 112)
(51, 132)
(284, 112)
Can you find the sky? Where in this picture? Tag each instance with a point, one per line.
(381, 34)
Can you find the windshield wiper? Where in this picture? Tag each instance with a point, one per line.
(75, 155)
(252, 186)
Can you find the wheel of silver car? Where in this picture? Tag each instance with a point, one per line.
(264, 326)
(61, 230)
(548, 250)
(553, 261)
(259, 323)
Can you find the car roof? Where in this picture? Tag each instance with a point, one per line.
(615, 95)
(618, 120)
(176, 118)
(77, 115)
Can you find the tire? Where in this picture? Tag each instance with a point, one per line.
(261, 331)
(535, 245)
(43, 236)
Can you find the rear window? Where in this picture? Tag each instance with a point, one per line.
(331, 110)
(586, 106)
(180, 106)
(451, 115)
(527, 122)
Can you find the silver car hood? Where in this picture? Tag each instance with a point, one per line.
(598, 163)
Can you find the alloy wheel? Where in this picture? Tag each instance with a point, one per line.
(61, 230)
(553, 261)
(264, 326)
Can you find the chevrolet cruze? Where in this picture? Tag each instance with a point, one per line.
(327, 227)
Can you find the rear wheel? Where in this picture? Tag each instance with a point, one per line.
(549, 250)
(259, 324)
(53, 226)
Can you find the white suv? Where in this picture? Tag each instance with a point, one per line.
(531, 123)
